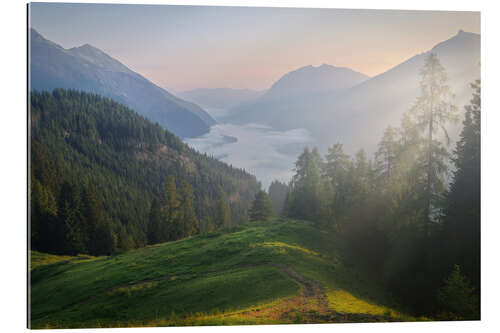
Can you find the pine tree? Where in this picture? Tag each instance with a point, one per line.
(459, 297)
(125, 242)
(337, 168)
(105, 239)
(325, 212)
(223, 218)
(261, 209)
(155, 222)
(44, 213)
(277, 193)
(190, 221)
(306, 186)
(74, 221)
(431, 112)
(207, 225)
(462, 220)
(171, 226)
(387, 154)
(94, 221)
(360, 176)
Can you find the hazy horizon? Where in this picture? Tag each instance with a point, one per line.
(188, 47)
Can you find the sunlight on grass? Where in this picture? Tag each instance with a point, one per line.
(344, 302)
(282, 246)
(38, 259)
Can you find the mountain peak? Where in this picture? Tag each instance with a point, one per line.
(88, 47)
(310, 79)
(88, 50)
(460, 40)
(37, 38)
(99, 58)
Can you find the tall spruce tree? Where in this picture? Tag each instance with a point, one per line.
(337, 168)
(189, 220)
(171, 227)
(387, 154)
(432, 111)
(306, 186)
(155, 223)
(223, 217)
(462, 220)
(277, 194)
(262, 209)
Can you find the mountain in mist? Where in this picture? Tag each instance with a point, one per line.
(360, 116)
(313, 80)
(89, 69)
(290, 90)
(357, 115)
(220, 98)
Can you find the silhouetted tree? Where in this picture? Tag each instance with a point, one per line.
(261, 209)
(462, 220)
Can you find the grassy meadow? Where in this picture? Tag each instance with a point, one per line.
(282, 271)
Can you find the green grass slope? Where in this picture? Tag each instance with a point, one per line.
(282, 271)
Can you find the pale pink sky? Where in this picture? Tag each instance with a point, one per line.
(187, 47)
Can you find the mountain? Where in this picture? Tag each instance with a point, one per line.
(360, 116)
(220, 98)
(89, 149)
(90, 69)
(357, 115)
(292, 89)
(313, 80)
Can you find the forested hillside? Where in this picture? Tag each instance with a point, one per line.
(104, 179)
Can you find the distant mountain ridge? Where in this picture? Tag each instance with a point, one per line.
(357, 115)
(290, 90)
(310, 79)
(89, 69)
(366, 109)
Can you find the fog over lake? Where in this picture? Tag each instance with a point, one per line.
(262, 151)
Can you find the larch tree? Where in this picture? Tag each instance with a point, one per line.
(432, 112)
(387, 154)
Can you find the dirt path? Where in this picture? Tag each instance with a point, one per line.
(310, 303)
(309, 306)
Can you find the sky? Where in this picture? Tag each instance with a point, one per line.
(188, 47)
